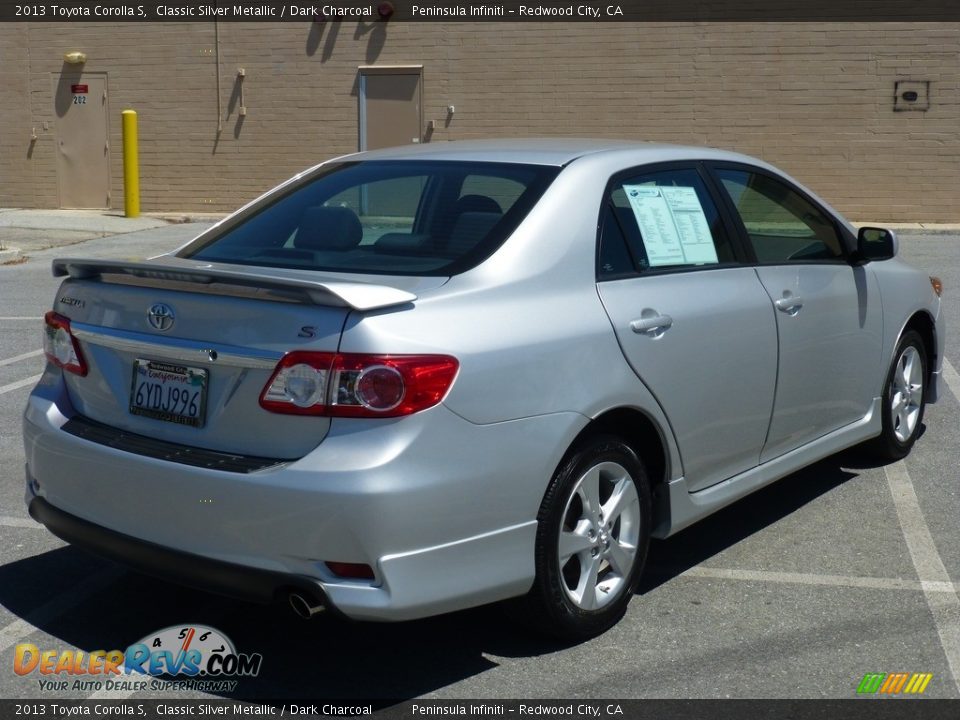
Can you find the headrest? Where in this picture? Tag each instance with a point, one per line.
(328, 228)
(469, 230)
(477, 203)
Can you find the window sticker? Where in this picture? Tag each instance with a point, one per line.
(673, 225)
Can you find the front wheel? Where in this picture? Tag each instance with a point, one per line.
(904, 399)
(592, 538)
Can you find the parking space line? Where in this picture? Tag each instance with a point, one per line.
(18, 358)
(20, 383)
(9, 521)
(23, 627)
(951, 378)
(853, 581)
(944, 606)
(19, 317)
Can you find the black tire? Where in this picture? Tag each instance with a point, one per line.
(551, 606)
(897, 437)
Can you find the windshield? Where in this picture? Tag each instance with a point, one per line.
(388, 217)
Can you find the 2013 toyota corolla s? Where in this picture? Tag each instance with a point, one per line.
(421, 379)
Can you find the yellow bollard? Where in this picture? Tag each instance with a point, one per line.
(131, 165)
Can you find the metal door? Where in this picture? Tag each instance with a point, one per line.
(389, 107)
(83, 150)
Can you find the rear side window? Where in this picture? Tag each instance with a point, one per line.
(661, 220)
(782, 225)
(389, 217)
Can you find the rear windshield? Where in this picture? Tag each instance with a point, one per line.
(390, 217)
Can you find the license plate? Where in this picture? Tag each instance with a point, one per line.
(170, 392)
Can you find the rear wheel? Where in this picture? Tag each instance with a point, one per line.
(904, 399)
(592, 539)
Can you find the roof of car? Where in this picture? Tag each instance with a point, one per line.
(544, 151)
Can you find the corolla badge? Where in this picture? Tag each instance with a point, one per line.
(161, 316)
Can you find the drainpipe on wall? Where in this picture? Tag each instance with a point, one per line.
(216, 33)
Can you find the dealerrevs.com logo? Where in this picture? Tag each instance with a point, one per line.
(196, 657)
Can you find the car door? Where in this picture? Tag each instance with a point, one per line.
(828, 311)
(694, 323)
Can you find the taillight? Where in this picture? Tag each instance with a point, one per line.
(389, 385)
(60, 346)
(357, 385)
(299, 384)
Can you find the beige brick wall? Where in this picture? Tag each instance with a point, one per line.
(16, 149)
(815, 99)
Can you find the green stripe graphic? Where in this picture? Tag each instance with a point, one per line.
(871, 682)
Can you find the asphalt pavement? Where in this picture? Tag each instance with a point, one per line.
(798, 591)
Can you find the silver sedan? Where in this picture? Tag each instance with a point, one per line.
(417, 380)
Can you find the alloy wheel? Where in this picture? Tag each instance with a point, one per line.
(599, 536)
(906, 393)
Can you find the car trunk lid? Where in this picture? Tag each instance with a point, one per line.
(215, 330)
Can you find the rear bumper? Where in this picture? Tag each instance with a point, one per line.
(237, 581)
(443, 510)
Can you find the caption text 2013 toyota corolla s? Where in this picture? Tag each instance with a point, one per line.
(416, 380)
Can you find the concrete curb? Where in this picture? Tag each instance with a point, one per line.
(92, 221)
(927, 228)
(178, 218)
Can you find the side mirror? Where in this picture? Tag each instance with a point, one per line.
(876, 244)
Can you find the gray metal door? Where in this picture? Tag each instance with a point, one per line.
(389, 107)
(83, 151)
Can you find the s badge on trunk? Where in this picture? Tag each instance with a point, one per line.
(161, 317)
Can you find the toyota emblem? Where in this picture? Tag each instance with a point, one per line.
(161, 317)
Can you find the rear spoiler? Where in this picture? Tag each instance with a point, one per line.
(356, 295)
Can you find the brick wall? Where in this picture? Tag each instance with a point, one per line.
(16, 148)
(815, 99)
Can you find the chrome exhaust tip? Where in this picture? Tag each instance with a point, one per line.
(304, 607)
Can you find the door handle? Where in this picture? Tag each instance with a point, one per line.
(790, 305)
(653, 324)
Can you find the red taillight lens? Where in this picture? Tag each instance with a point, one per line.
(358, 385)
(379, 388)
(60, 346)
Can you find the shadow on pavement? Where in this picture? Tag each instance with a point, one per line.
(323, 658)
(688, 548)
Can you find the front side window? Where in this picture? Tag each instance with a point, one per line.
(386, 217)
(782, 225)
(661, 220)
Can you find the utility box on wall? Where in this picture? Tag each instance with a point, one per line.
(911, 95)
